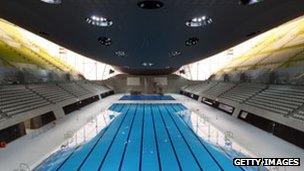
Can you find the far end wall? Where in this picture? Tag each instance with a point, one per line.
(146, 84)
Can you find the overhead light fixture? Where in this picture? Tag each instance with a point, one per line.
(99, 21)
(199, 21)
(249, 2)
(105, 41)
(174, 53)
(150, 4)
(120, 53)
(147, 64)
(56, 2)
(192, 41)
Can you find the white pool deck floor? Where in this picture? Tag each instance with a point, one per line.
(32, 150)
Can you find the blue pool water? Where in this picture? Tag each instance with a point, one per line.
(146, 97)
(144, 137)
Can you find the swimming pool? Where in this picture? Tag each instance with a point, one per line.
(144, 137)
(147, 97)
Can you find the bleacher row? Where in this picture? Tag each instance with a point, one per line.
(17, 99)
(284, 100)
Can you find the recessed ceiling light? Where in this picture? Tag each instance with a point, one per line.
(249, 2)
(105, 41)
(99, 21)
(199, 21)
(147, 64)
(120, 53)
(192, 41)
(52, 1)
(174, 53)
(150, 4)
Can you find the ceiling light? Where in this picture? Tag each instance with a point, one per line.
(52, 1)
(147, 64)
(120, 53)
(150, 4)
(199, 21)
(192, 41)
(174, 53)
(105, 41)
(99, 21)
(249, 2)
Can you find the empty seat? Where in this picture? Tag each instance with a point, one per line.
(218, 89)
(279, 99)
(299, 115)
(75, 89)
(242, 92)
(15, 99)
(198, 88)
(95, 88)
(2, 115)
(52, 92)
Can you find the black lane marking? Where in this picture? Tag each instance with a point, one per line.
(82, 163)
(191, 151)
(155, 138)
(116, 133)
(201, 142)
(142, 138)
(102, 133)
(180, 106)
(128, 137)
(188, 145)
(171, 142)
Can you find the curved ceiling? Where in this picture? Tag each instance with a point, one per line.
(148, 37)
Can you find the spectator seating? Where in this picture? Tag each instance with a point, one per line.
(279, 99)
(204, 87)
(96, 88)
(75, 89)
(242, 92)
(284, 100)
(299, 115)
(16, 99)
(218, 89)
(52, 92)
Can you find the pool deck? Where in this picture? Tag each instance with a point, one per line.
(255, 140)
